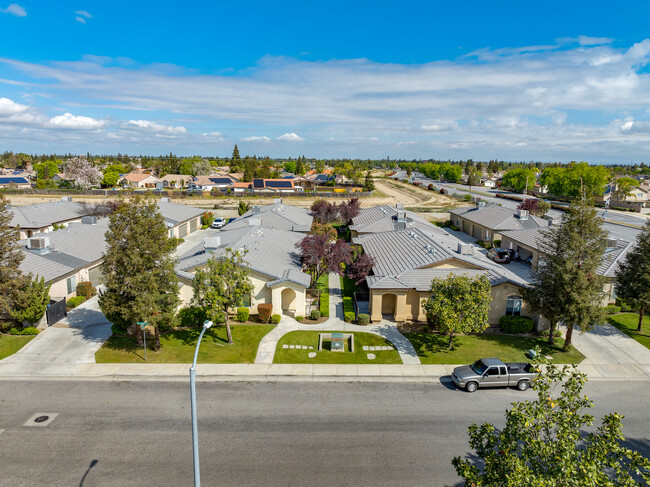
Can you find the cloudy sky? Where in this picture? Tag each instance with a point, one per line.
(332, 79)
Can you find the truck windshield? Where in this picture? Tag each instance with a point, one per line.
(479, 367)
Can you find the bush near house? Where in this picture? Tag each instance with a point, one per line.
(264, 311)
(192, 316)
(348, 307)
(364, 319)
(625, 308)
(275, 319)
(30, 330)
(86, 289)
(484, 244)
(315, 314)
(349, 316)
(76, 301)
(612, 309)
(243, 314)
(545, 333)
(516, 324)
(497, 243)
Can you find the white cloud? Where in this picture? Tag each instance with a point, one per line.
(594, 41)
(70, 121)
(14, 9)
(81, 16)
(255, 138)
(291, 137)
(154, 127)
(9, 107)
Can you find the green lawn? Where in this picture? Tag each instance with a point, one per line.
(324, 285)
(10, 344)
(178, 346)
(627, 323)
(310, 338)
(432, 348)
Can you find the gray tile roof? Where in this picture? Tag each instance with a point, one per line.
(528, 237)
(383, 218)
(174, 213)
(269, 251)
(45, 214)
(278, 216)
(72, 248)
(498, 218)
(402, 258)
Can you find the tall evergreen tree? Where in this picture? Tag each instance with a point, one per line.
(141, 283)
(566, 285)
(633, 275)
(300, 167)
(11, 278)
(235, 161)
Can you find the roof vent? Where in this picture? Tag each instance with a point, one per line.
(465, 249)
(522, 214)
(211, 243)
(66, 198)
(255, 209)
(401, 216)
(165, 200)
(480, 204)
(89, 220)
(399, 206)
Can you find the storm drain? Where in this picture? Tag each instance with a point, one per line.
(41, 419)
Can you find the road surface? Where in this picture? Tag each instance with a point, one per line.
(260, 433)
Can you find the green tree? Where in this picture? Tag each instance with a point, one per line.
(320, 166)
(31, 301)
(474, 178)
(139, 268)
(250, 168)
(290, 166)
(566, 285)
(575, 179)
(368, 183)
(300, 167)
(110, 179)
(243, 207)
(542, 445)
(409, 170)
(46, 170)
(459, 304)
(519, 179)
(624, 187)
(235, 160)
(11, 278)
(633, 275)
(451, 173)
(221, 286)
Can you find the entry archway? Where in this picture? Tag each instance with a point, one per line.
(288, 300)
(388, 304)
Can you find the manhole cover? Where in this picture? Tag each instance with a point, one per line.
(41, 419)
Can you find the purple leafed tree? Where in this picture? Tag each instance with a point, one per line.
(360, 268)
(324, 211)
(349, 209)
(319, 256)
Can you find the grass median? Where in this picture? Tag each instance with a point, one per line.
(627, 323)
(10, 344)
(325, 356)
(432, 348)
(177, 346)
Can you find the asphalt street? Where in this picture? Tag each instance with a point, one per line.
(112, 433)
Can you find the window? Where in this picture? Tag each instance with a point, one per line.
(502, 370)
(493, 371)
(72, 284)
(513, 306)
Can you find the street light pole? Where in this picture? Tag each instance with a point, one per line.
(195, 433)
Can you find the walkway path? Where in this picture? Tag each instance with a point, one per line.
(611, 353)
(336, 322)
(73, 340)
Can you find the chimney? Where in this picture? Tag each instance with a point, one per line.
(89, 220)
(211, 243)
(401, 216)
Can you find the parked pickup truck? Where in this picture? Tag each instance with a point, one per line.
(491, 372)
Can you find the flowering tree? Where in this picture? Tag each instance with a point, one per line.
(534, 206)
(85, 175)
(319, 255)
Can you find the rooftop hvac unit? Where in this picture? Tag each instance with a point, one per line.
(522, 214)
(38, 243)
(89, 220)
(401, 215)
(211, 243)
(465, 249)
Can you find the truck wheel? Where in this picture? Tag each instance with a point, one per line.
(522, 385)
(471, 386)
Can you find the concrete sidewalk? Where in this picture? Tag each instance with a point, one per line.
(336, 322)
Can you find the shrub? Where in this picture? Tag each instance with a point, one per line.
(516, 324)
(86, 289)
(315, 314)
(544, 333)
(30, 330)
(625, 308)
(74, 302)
(348, 305)
(364, 319)
(264, 311)
(5, 326)
(192, 316)
(612, 309)
(484, 244)
(243, 314)
(275, 319)
(299, 318)
(118, 330)
(430, 187)
(349, 316)
(497, 243)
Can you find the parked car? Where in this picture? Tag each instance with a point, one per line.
(502, 256)
(218, 222)
(492, 372)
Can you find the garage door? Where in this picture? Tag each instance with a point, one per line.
(96, 276)
(193, 225)
(182, 230)
(478, 233)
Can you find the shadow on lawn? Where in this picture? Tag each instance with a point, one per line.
(187, 336)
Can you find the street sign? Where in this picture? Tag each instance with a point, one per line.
(143, 325)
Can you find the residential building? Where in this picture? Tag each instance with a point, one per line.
(487, 222)
(386, 218)
(181, 220)
(18, 182)
(275, 185)
(42, 217)
(527, 245)
(176, 181)
(406, 261)
(208, 183)
(276, 216)
(272, 260)
(139, 180)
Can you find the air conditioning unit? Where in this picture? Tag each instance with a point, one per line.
(89, 220)
(38, 243)
(211, 243)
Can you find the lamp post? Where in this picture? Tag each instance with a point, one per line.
(195, 433)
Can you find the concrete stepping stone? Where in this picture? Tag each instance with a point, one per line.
(311, 354)
(304, 347)
(311, 348)
(285, 346)
(371, 356)
(365, 347)
(292, 346)
(387, 348)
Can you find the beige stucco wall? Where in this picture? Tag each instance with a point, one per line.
(59, 287)
(471, 228)
(29, 232)
(175, 231)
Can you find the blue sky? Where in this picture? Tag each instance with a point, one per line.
(405, 79)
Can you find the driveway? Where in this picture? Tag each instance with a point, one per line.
(73, 340)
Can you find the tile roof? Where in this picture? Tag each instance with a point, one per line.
(383, 218)
(45, 214)
(276, 215)
(268, 251)
(498, 218)
(174, 213)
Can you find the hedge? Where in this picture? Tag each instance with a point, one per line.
(30, 330)
(74, 302)
(349, 316)
(192, 316)
(315, 314)
(264, 311)
(275, 319)
(243, 314)
(516, 324)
